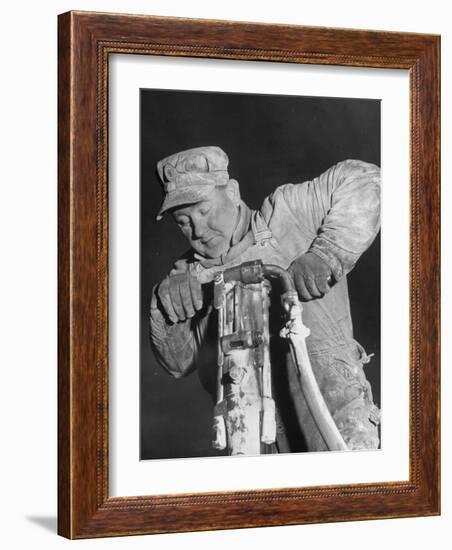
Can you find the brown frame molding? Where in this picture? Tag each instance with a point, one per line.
(85, 41)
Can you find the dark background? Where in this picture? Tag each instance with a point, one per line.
(270, 141)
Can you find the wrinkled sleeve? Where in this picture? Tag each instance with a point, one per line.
(342, 208)
(173, 344)
(176, 345)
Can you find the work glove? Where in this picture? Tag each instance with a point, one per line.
(312, 276)
(180, 295)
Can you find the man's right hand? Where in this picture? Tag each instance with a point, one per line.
(180, 295)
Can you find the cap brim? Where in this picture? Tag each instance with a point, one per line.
(189, 195)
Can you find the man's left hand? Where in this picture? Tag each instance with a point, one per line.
(311, 276)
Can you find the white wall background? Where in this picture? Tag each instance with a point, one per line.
(28, 232)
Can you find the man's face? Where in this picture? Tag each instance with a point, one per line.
(208, 225)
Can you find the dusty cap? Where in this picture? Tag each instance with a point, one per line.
(190, 176)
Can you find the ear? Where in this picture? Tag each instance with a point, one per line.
(233, 191)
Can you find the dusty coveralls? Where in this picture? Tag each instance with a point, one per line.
(335, 216)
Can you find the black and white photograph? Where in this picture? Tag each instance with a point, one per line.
(259, 274)
(224, 237)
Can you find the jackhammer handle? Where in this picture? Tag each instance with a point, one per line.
(255, 272)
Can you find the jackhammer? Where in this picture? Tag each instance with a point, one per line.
(244, 414)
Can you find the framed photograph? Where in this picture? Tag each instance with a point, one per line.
(248, 275)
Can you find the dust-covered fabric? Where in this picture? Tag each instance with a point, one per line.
(335, 216)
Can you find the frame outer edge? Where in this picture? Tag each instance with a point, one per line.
(64, 293)
(87, 316)
(430, 241)
(81, 510)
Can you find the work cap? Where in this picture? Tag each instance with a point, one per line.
(190, 176)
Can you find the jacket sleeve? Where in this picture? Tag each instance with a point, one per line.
(175, 345)
(342, 209)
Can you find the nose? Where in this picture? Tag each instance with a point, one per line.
(199, 227)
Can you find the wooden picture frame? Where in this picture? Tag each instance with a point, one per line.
(85, 42)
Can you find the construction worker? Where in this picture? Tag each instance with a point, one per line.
(317, 230)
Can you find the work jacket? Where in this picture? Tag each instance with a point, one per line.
(335, 216)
